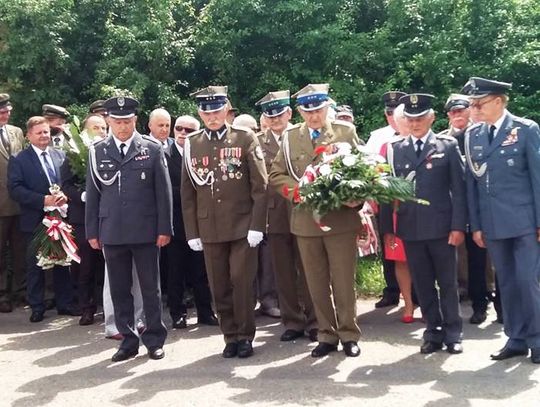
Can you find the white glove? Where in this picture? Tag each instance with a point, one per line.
(195, 245)
(254, 238)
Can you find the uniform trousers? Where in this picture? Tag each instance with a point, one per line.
(517, 261)
(330, 267)
(108, 307)
(265, 285)
(297, 311)
(476, 266)
(120, 259)
(11, 284)
(231, 268)
(434, 262)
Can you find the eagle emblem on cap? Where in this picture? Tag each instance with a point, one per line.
(472, 82)
(414, 99)
(393, 95)
(121, 101)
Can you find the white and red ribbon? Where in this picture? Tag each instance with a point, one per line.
(59, 230)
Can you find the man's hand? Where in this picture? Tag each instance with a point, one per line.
(195, 245)
(95, 244)
(456, 237)
(163, 240)
(50, 200)
(478, 238)
(60, 199)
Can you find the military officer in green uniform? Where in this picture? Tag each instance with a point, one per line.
(297, 313)
(329, 258)
(224, 208)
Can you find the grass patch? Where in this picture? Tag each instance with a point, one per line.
(369, 277)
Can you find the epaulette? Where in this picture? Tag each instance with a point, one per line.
(195, 133)
(396, 138)
(444, 136)
(443, 133)
(148, 138)
(522, 120)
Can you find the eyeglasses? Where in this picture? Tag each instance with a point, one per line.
(479, 105)
(186, 129)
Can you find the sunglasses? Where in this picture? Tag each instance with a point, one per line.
(186, 129)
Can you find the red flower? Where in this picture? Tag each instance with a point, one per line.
(285, 191)
(296, 194)
(320, 150)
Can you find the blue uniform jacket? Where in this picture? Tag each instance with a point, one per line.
(504, 202)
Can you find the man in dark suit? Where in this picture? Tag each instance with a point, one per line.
(128, 214)
(185, 265)
(431, 232)
(296, 307)
(11, 142)
(91, 264)
(30, 175)
(503, 185)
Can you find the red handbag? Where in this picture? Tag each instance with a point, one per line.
(395, 250)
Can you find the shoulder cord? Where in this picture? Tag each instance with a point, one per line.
(287, 153)
(95, 174)
(478, 173)
(193, 176)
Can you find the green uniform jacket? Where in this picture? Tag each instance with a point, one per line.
(8, 207)
(236, 202)
(301, 149)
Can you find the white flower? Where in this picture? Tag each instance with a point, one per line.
(325, 170)
(349, 160)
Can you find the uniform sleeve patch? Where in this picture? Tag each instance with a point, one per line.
(259, 153)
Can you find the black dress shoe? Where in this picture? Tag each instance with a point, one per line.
(430, 347)
(156, 353)
(351, 349)
(49, 304)
(454, 348)
(245, 350)
(387, 301)
(179, 323)
(72, 310)
(124, 354)
(5, 306)
(37, 316)
(291, 335)
(208, 320)
(507, 353)
(313, 334)
(323, 349)
(230, 350)
(87, 318)
(535, 355)
(478, 317)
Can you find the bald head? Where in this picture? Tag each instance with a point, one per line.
(159, 124)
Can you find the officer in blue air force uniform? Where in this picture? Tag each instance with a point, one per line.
(129, 215)
(431, 232)
(503, 185)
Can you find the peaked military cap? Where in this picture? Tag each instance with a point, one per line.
(477, 88)
(391, 99)
(97, 107)
(55, 111)
(121, 107)
(312, 97)
(4, 101)
(211, 98)
(416, 104)
(344, 110)
(275, 103)
(456, 101)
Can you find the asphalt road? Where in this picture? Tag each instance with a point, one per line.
(59, 363)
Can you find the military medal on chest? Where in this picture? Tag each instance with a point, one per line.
(230, 162)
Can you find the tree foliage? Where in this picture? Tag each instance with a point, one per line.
(71, 52)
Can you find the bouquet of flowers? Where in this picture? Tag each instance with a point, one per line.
(77, 153)
(53, 238)
(346, 175)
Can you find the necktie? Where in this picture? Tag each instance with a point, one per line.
(315, 134)
(4, 139)
(122, 153)
(491, 133)
(50, 170)
(418, 147)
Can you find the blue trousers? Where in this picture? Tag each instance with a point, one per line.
(517, 261)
